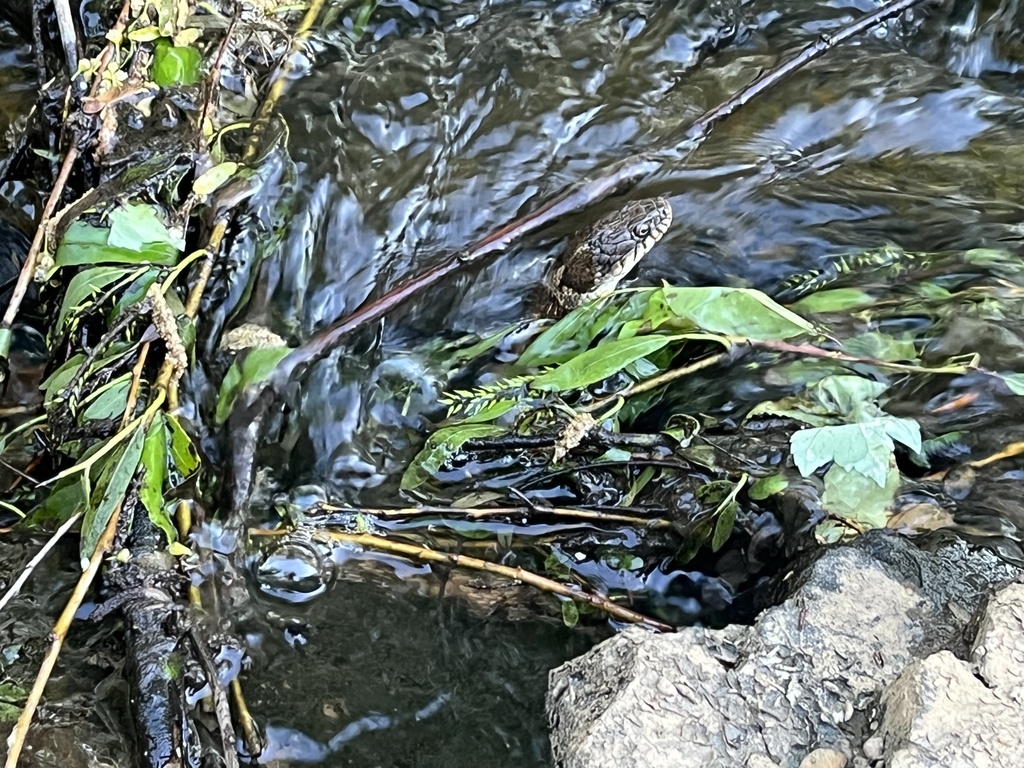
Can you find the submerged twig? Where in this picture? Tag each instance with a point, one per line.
(478, 513)
(598, 601)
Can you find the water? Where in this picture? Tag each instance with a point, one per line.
(444, 120)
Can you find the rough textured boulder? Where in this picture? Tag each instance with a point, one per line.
(808, 675)
(943, 712)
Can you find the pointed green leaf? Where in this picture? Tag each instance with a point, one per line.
(599, 363)
(99, 513)
(251, 366)
(736, 312)
(154, 464)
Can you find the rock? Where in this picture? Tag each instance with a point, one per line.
(938, 714)
(824, 758)
(809, 673)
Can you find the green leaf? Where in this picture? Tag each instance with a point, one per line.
(768, 486)
(60, 378)
(154, 463)
(214, 178)
(1014, 381)
(724, 524)
(110, 400)
(98, 515)
(561, 341)
(136, 234)
(183, 452)
(833, 300)
(570, 613)
(881, 346)
(135, 225)
(736, 312)
(439, 448)
(599, 363)
(251, 366)
(84, 286)
(864, 447)
(693, 542)
(859, 499)
(176, 65)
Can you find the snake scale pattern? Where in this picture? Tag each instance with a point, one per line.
(600, 255)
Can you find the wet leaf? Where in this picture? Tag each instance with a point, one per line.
(694, 541)
(214, 178)
(831, 532)
(60, 378)
(564, 339)
(736, 312)
(1014, 381)
(768, 486)
(833, 300)
(865, 447)
(110, 401)
(616, 455)
(136, 234)
(98, 514)
(176, 65)
(439, 448)
(250, 367)
(183, 452)
(599, 363)
(84, 286)
(134, 226)
(570, 613)
(859, 499)
(881, 346)
(154, 463)
(724, 524)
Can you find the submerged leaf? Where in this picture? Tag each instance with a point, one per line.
(833, 300)
(439, 448)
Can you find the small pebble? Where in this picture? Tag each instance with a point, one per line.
(873, 748)
(824, 758)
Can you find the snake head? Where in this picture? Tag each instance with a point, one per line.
(600, 255)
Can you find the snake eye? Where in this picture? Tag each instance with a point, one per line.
(641, 230)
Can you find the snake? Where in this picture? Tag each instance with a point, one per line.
(601, 254)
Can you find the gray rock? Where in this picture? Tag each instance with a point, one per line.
(939, 714)
(808, 675)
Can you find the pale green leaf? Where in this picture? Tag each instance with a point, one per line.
(599, 363)
(858, 499)
(736, 312)
(833, 300)
(214, 178)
